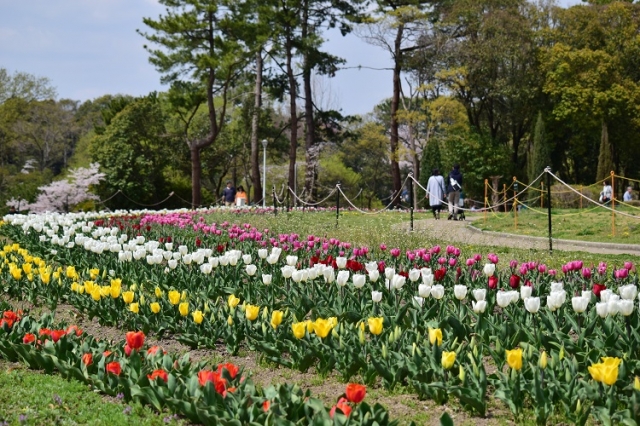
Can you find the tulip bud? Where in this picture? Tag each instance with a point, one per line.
(542, 363)
(384, 351)
(229, 321)
(334, 333)
(636, 383)
(476, 371)
(498, 347)
(461, 374)
(265, 313)
(340, 343)
(475, 351)
(578, 408)
(561, 355)
(141, 300)
(361, 336)
(397, 332)
(264, 328)
(413, 350)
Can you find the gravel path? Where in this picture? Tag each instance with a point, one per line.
(465, 232)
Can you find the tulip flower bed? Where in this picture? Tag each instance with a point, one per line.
(149, 375)
(555, 343)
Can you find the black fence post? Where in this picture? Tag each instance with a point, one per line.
(548, 171)
(275, 207)
(337, 203)
(411, 200)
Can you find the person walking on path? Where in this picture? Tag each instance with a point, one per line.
(436, 192)
(241, 197)
(454, 186)
(229, 194)
(607, 193)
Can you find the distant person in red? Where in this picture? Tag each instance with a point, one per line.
(241, 197)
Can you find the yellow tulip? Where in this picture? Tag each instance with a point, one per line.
(155, 307)
(94, 273)
(299, 329)
(435, 336)
(606, 371)
(448, 359)
(514, 358)
(276, 319)
(45, 277)
(56, 275)
(127, 296)
(229, 321)
(105, 290)
(27, 267)
(16, 273)
(95, 294)
(81, 289)
(252, 312)
(333, 321)
(88, 285)
(184, 308)
(636, 383)
(233, 301)
(158, 292)
(134, 308)
(197, 317)
(542, 363)
(115, 292)
(116, 282)
(309, 325)
(30, 277)
(174, 297)
(75, 287)
(375, 325)
(322, 327)
(71, 272)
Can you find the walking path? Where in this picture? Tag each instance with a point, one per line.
(465, 232)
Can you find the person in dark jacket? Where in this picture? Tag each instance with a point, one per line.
(229, 194)
(454, 185)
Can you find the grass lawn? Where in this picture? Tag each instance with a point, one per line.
(586, 225)
(32, 398)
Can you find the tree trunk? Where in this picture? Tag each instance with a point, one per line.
(395, 103)
(255, 162)
(196, 173)
(293, 147)
(310, 157)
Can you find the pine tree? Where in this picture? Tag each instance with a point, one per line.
(605, 158)
(540, 154)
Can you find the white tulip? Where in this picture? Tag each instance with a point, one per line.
(579, 304)
(625, 307)
(605, 295)
(182, 250)
(555, 286)
(387, 284)
(358, 280)
(172, 263)
(276, 251)
(272, 259)
(427, 279)
(263, 253)
(424, 290)
(601, 309)
(525, 291)
(329, 274)
(287, 271)
(532, 304)
(628, 292)
(514, 296)
(223, 260)
(292, 260)
(177, 256)
(479, 306)
(587, 295)
(342, 278)
(296, 276)
(460, 291)
(341, 262)
(425, 271)
(374, 275)
(168, 246)
(251, 270)
(389, 272)
(437, 291)
(246, 258)
(214, 261)
(266, 279)
(489, 269)
(480, 294)
(613, 305)
(376, 296)
(418, 300)
(233, 260)
(371, 266)
(503, 298)
(414, 275)
(398, 281)
(205, 268)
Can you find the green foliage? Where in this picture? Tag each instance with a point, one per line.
(133, 152)
(605, 157)
(539, 154)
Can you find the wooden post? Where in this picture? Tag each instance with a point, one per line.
(580, 197)
(541, 194)
(515, 202)
(486, 185)
(504, 197)
(613, 205)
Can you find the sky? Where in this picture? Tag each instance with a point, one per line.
(89, 48)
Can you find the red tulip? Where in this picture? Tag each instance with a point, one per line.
(87, 359)
(158, 373)
(57, 334)
(231, 368)
(135, 339)
(73, 329)
(356, 392)
(127, 350)
(514, 281)
(29, 338)
(266, 405)
(114, 368)
(597, 288)
(493, 282)
(343, 406)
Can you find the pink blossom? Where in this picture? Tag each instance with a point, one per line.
(442, 260)
(628, 266)
(383, 247)
(493, 258)
(586, 273)
(395, 252)
(453, 261)
(471, 262)
(513, 264)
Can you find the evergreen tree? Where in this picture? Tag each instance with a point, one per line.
(540, 153)
(605, 158)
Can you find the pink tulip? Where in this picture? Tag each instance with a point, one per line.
(453, 261)
(395, 252)
(470, 262)
(435, 249)
(553, 272)
(493, 258)
(628, 266)
(426, 257)
(383, 247)
(621, 273)
(542, 268)
(586, 273)
(477, 257)
(450, 249)
(442, 261)
(514, 264)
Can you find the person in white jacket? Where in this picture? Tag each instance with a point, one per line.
(607, 192)
(436, 191)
